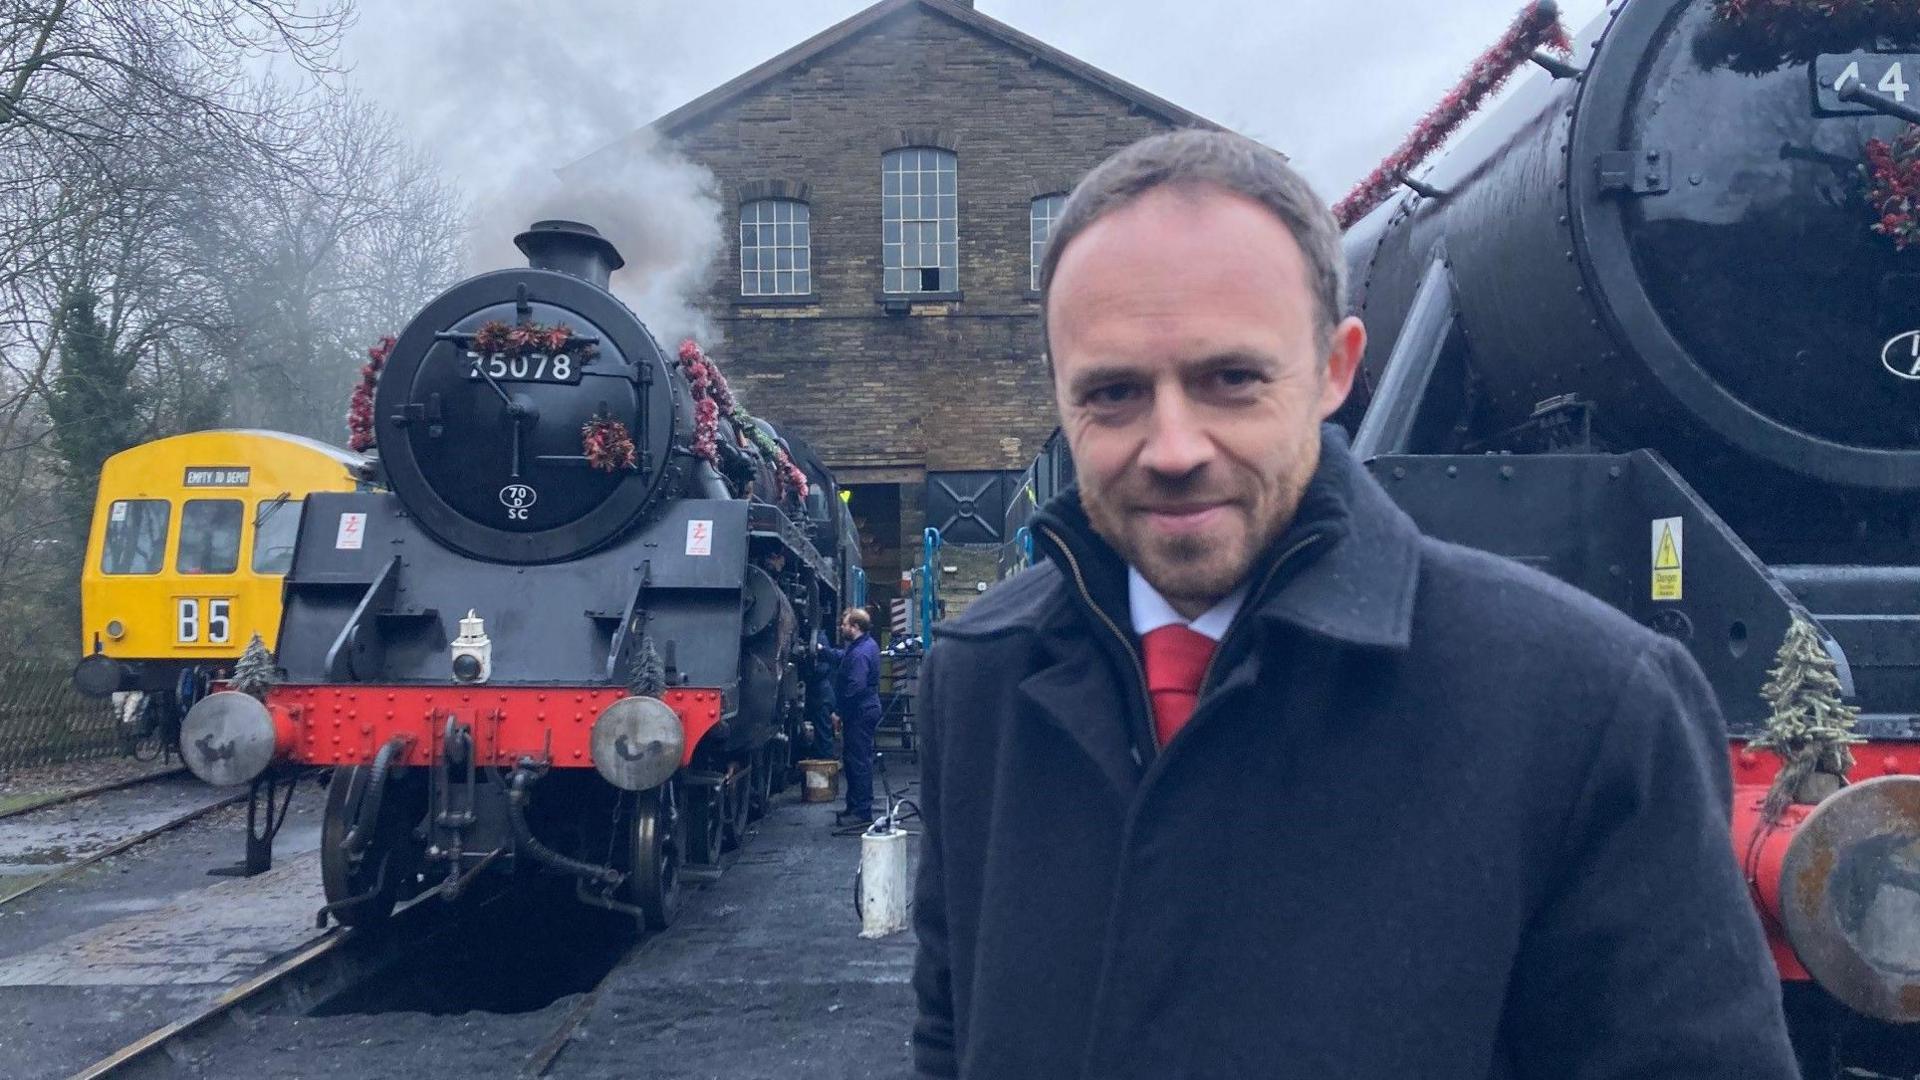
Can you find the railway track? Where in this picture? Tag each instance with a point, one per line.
(79, 794)
(69, 863)
(343, 975)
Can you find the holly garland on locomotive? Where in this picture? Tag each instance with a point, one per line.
(565, 640)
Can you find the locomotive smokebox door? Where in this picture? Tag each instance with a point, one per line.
(526, 416)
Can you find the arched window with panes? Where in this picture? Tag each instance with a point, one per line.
(776, 249)
(1041, 215)
(920, 220)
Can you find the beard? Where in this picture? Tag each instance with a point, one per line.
(1193, 570)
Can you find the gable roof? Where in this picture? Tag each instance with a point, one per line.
(960, 12)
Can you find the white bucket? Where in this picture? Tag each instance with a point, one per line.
(883, 883)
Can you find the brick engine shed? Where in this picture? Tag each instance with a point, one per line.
(888, 186)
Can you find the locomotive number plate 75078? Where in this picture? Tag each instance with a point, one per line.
(560, 367)
(1897, 75)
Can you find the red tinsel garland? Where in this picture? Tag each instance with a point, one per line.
(608, 445)
(711, 397)
(1893, 187)
(1537, 27)
(360, 406)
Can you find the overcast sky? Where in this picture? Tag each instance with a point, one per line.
(1333, 83)
(504, 92)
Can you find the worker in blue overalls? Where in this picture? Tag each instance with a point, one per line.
(856, 701)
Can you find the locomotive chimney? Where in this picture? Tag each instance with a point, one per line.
(571, 248)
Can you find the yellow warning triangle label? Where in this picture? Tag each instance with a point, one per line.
(1665, 557)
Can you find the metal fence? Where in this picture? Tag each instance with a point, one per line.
(44, 720)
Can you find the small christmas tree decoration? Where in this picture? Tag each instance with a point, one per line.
(1810, 727)
(646, 675)
(255, 672)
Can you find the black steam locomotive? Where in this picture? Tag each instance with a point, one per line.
(569, 637)
(1646, 329)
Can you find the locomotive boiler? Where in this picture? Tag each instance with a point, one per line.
(564, 640)
(1654, 327)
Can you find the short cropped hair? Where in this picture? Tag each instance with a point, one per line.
(859, 618)
(1232, 163)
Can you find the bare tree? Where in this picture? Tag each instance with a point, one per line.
(243, 242)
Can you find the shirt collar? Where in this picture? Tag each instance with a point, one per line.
(1150, 610)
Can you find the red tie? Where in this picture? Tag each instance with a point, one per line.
(1176, 662)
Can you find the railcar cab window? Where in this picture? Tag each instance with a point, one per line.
(136, 536)
(209, 537)
(920, 220)
(776, 250)
(1044, 211)
(276, 524)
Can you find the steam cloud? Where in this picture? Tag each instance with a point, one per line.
(508, 100)
(661, 210)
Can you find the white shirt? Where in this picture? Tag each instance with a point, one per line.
(1150, 611)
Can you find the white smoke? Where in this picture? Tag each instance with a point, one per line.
(659, 209)
(508, 97)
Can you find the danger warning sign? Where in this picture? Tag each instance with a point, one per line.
(1668, 550)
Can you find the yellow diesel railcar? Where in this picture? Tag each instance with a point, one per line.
(190, 539)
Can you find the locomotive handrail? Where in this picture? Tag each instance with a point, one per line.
(1856, 92)
(1430, 322)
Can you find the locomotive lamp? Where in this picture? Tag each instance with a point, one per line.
(472, 650)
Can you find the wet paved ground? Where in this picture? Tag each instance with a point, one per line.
(763, 976)
(37, 842)
(121, 947)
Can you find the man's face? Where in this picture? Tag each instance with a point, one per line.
(1191, 384)
(848, 631)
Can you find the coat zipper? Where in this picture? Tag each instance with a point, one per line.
(1140, 670)
(1080, 582)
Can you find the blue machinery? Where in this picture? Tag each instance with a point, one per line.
(929, 583)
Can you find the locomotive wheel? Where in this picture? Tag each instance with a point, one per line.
(654, 881)
(346, 792)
